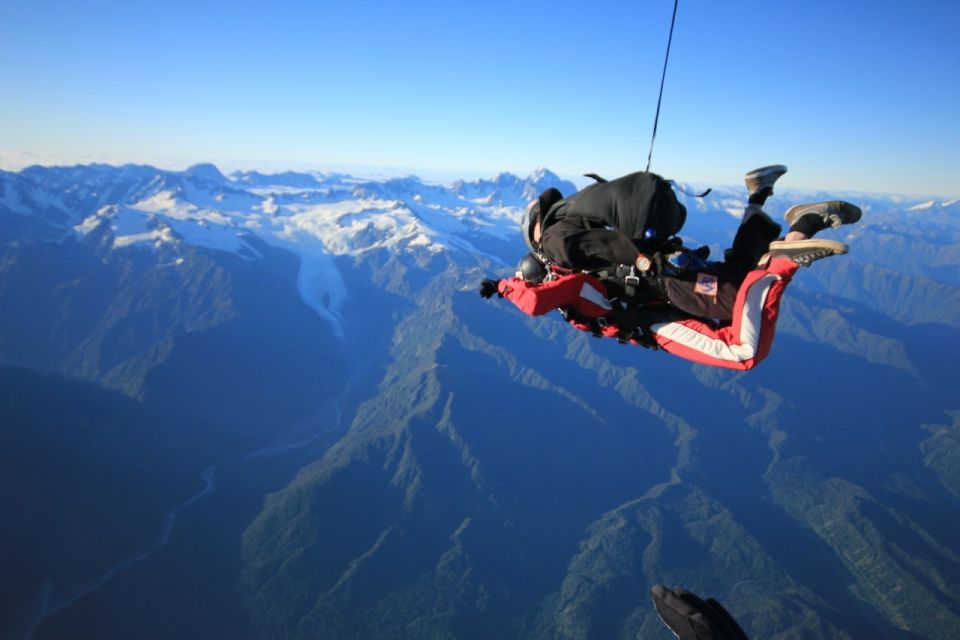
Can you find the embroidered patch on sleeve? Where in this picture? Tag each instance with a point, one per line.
(706, 285)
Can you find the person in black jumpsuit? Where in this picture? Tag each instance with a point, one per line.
(625, 221)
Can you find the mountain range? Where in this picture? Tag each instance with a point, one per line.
(273, 406)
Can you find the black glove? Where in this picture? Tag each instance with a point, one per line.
(691, 618)
(488, 288)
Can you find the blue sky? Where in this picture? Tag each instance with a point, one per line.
(851, 95)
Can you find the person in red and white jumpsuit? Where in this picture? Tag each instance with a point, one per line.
(724, 315)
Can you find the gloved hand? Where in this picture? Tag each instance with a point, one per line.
(690, 618)
(488, 288)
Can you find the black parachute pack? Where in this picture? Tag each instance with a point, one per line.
(642, 205)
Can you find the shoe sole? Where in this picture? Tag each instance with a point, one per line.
(755, 177)
(803, 252)
(838, 248)
(845, 212)
(762, 171)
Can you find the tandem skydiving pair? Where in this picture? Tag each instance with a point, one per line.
(610, 260)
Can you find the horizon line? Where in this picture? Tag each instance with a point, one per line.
(441, 176)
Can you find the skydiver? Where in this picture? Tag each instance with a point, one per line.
(623, 224)
(722, 314)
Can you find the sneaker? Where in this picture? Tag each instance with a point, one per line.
(759, 179)
(804, 252)
(833, 213)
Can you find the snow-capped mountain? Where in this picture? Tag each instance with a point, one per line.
(318, 217)
(200, 206)
(332, 215)
(314, 217)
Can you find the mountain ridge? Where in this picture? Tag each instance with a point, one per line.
(395, 457)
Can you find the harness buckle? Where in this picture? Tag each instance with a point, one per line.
(631, 281)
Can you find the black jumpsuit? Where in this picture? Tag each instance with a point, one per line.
(610, 223)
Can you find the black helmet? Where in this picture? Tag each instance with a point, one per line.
(531, 269)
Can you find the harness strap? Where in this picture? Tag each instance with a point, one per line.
(675, 185)
(633, 324)
(624, 275)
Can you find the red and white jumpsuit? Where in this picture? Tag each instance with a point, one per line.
(740, 344)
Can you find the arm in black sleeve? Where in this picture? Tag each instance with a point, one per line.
(572, 243)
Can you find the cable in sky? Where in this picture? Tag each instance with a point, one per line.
(663, 77)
